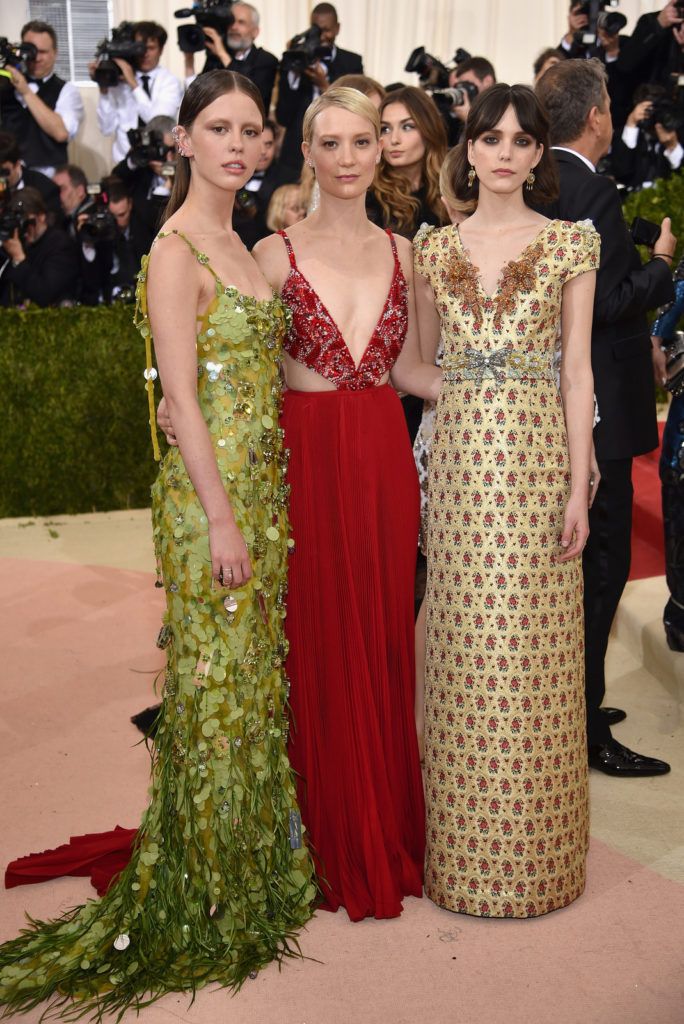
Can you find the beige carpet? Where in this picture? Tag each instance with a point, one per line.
(80, 614)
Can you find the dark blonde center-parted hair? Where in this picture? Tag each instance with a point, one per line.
(484, 115)
(392, 187)
(340, 98)
(201, 93)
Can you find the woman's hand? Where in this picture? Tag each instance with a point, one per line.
(164, 423)
(230, 564)
(594, 476)
(575, 528)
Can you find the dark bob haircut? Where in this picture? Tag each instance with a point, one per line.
(486, 112)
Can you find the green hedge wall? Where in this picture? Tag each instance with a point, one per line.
(73, 412)
(665, 199)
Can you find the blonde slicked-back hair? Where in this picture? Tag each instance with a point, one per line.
(342, 98)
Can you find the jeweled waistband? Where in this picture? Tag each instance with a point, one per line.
(498, 365)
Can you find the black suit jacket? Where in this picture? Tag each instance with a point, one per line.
(259, 66)
(625, 291)
(292, 103)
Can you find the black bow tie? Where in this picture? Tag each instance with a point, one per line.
(37, 81)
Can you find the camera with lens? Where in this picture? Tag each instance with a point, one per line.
(666, 113)
(9, 220)
(305, 50)
(601, 15)
(16, 55)
(99, 224)
(146, 146)
(122, 46)
(433, 75)
(216, 14)
(13, 216)
(456, 96)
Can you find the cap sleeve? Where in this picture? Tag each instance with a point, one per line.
(583, 248)
(423, 251)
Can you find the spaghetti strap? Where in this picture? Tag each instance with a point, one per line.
(290, 250)
(393, 243)
(200, 256)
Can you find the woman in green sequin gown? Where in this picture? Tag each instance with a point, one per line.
(220, 880)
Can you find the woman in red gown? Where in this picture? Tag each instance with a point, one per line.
(354, 508)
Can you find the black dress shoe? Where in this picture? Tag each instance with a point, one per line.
(613, 715)
(673, 620)
(613, 758)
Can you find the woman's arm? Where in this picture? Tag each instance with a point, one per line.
(174, 291)
(577, 390)
(414, 370)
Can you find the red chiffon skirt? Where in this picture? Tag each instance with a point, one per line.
(354, 511)
(354, 508)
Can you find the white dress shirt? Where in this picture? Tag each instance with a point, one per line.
(119, 109)
(630, 137)
(69, 106)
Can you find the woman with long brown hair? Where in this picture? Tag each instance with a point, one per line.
(405, 192)
(219, 880)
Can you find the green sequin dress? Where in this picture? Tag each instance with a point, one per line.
(220, 880)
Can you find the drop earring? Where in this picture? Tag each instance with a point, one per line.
(471, 176)
(530, 180)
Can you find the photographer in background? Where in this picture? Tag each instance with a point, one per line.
(145, 90)
(20, 177)
(41, 110)
(73, 195)
(649, 146)
(474, 73)
(297, 88)
(147, 171)
(655, 51)
(546, 59)
(40, 262)
(237, 52)
(577, 104)
(113, 241)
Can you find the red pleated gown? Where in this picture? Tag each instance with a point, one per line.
(354, 507)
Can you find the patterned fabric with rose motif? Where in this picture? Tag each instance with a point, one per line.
(505, 753)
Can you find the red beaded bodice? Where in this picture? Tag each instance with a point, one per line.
(315, 339)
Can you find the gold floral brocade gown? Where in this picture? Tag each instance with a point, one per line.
(220, 879)
(505, 744)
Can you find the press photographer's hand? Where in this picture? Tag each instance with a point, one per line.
(14, 248)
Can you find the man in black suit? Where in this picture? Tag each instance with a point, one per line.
(578, 106)
(237, 52)
(296, 91)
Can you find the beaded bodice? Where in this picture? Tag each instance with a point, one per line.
(316, 341)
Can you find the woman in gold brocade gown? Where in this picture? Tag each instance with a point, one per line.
(509, 483)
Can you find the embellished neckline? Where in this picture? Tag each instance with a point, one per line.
(398, 279)
(516, 275)
(507, 268)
